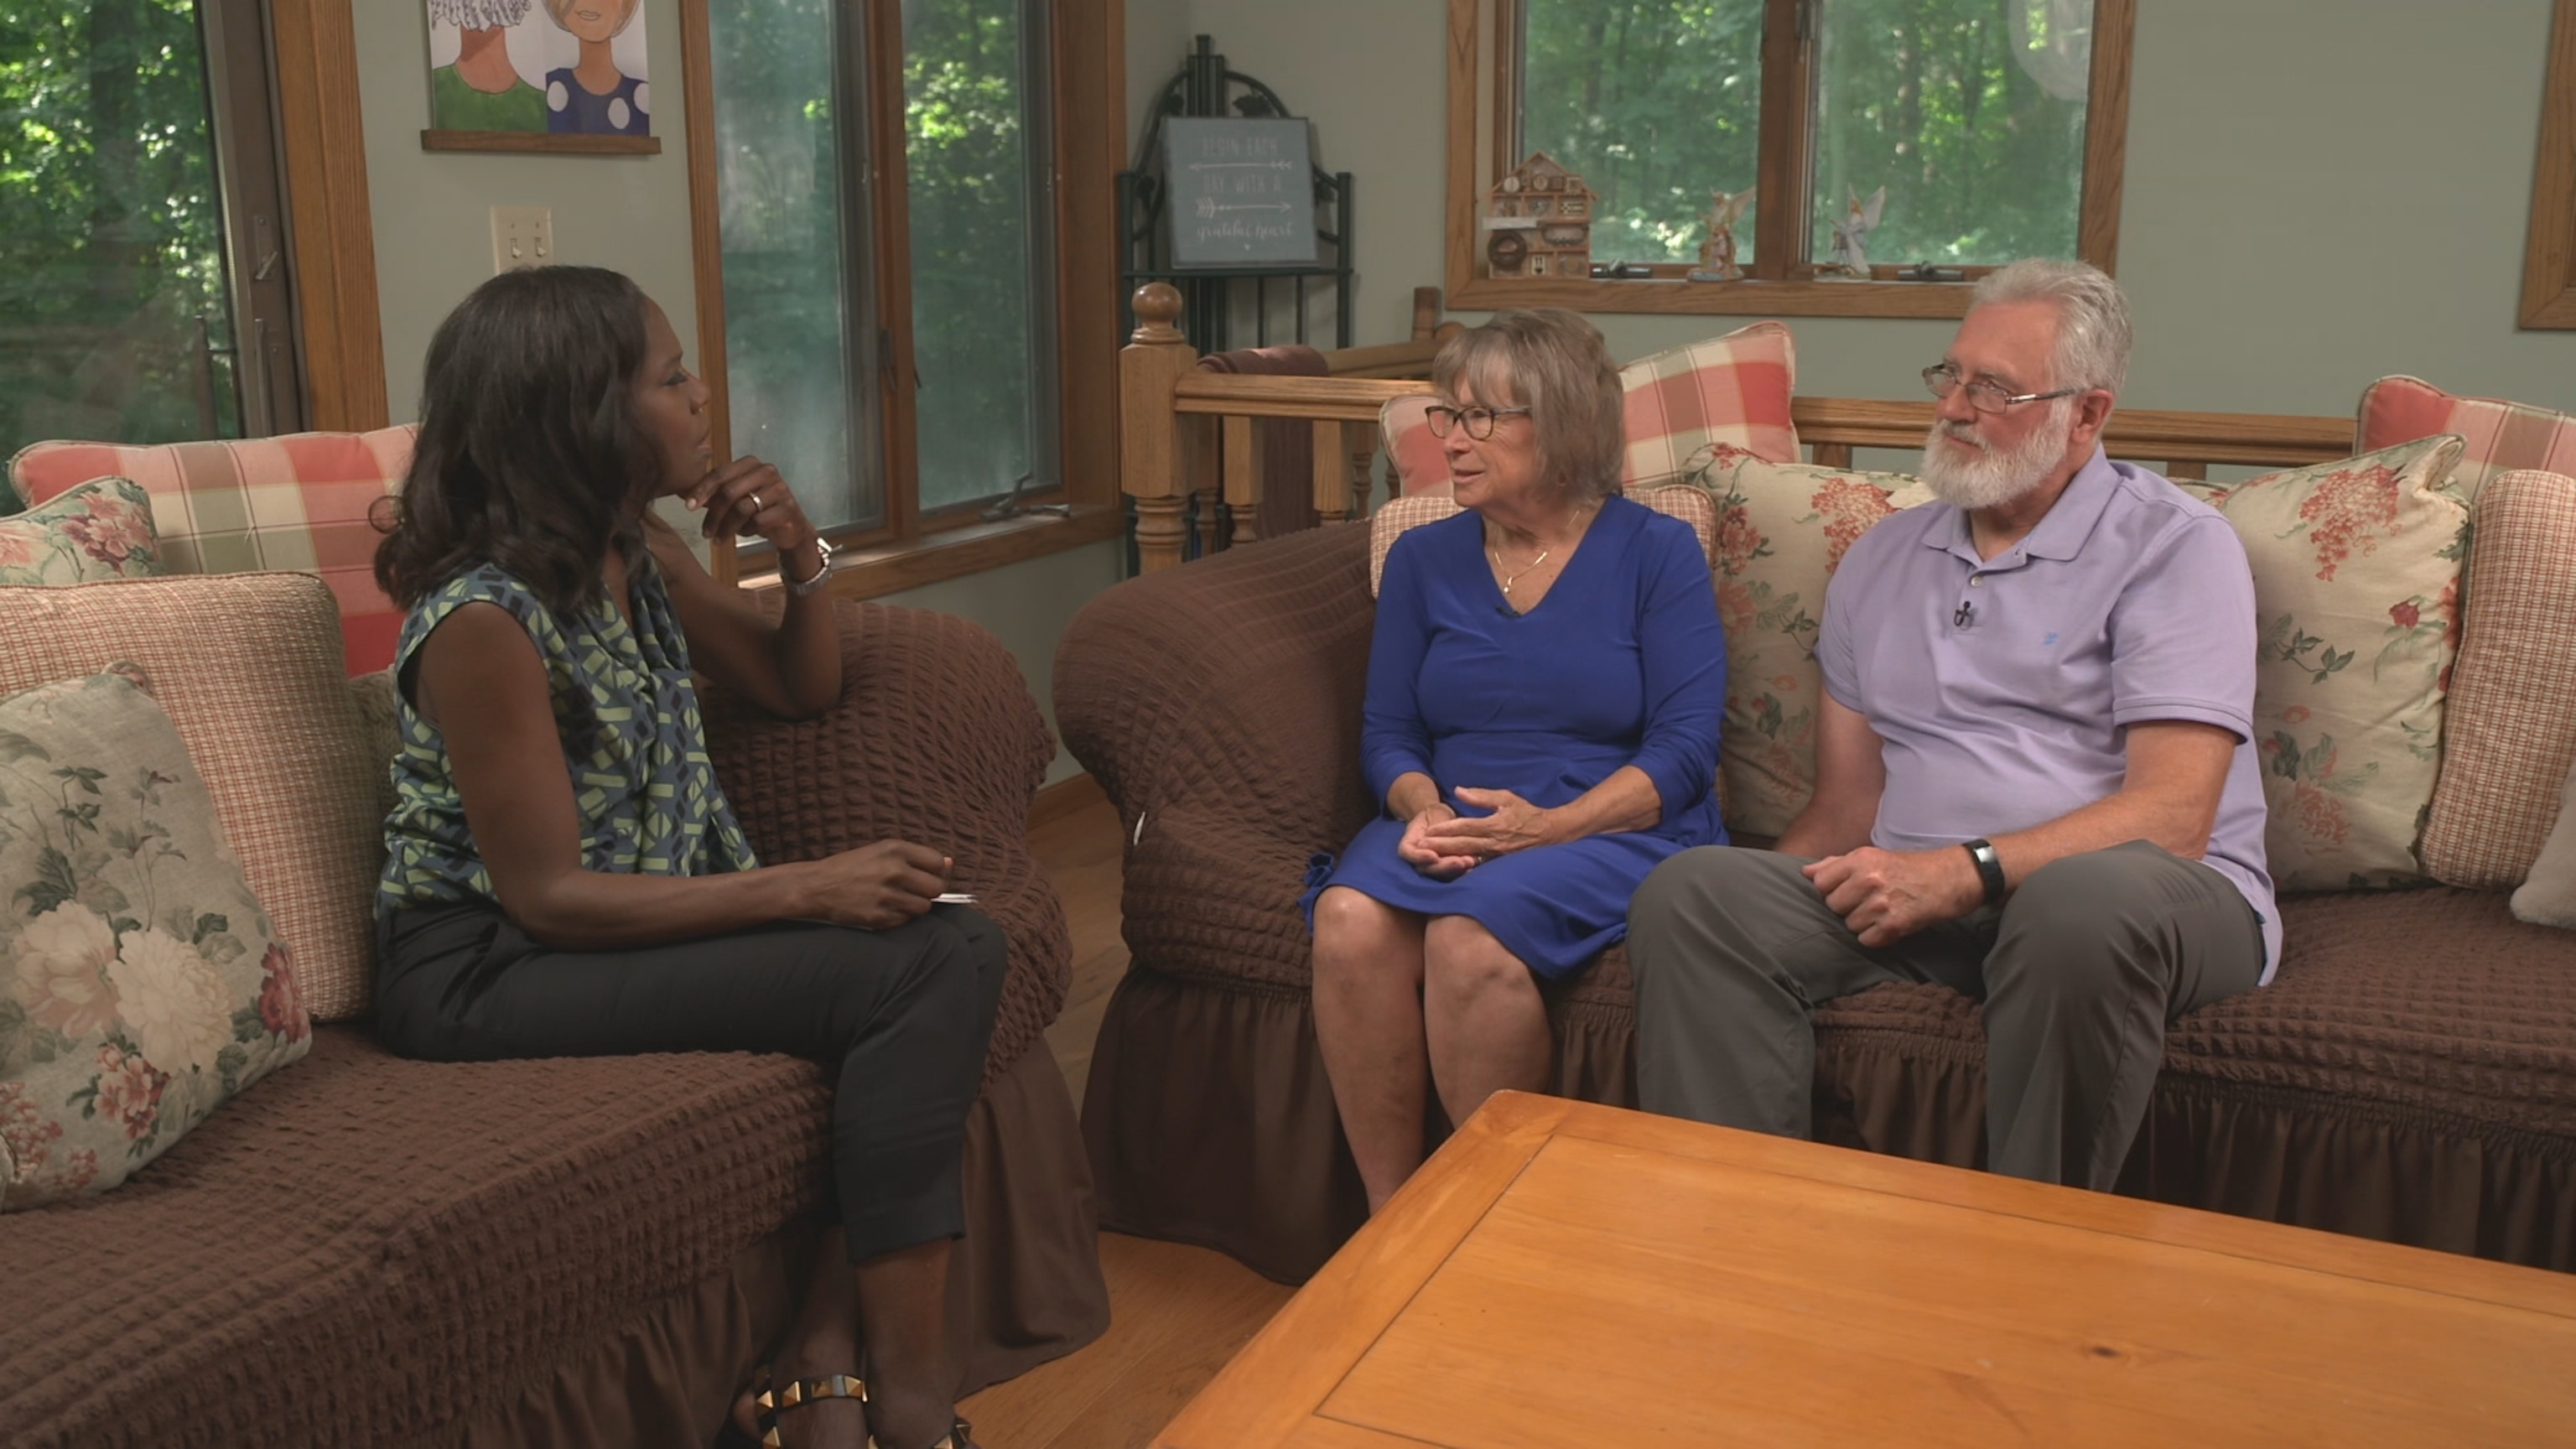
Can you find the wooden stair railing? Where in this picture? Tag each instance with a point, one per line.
(1189, 433)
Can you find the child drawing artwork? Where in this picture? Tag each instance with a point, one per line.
(480, 88)
(603, 92)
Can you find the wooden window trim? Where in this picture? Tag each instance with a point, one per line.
(1481, 65)
(1088, 55)
(338, 324)
(2549, 257)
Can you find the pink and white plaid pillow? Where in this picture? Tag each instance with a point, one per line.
(297, 502)
(2503, 437)
(1727, 393)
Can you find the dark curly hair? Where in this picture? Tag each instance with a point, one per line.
(529, 455)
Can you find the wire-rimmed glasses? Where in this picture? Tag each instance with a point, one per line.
(1985, 395)
(1478, 421)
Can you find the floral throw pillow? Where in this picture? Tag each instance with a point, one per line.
(2357, 599)
(1782, 531)
(101, 529)
(143, 983)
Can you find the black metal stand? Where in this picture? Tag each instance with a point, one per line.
(1205, 87)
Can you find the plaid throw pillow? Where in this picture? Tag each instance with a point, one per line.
(296, 503)
(2499, 437)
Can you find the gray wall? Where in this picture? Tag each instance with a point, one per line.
(432, 212)
(2317, 194)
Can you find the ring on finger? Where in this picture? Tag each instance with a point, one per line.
(755, 502)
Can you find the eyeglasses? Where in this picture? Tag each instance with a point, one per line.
(1479, 422)
(1986, 397)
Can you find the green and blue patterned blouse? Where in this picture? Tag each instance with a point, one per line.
(627, 714)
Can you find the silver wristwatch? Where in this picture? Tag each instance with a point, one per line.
(822, 570)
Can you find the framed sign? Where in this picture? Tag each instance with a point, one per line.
(1242, 192)
(538, 75)
(2549, 257)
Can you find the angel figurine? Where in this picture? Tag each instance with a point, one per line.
(1717, 251)
(1859, 218)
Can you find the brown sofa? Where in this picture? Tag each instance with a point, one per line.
(2410, 1075)
(363, 1249)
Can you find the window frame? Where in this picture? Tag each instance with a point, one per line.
(330, 226)
(1083, 94)
(1483, 83)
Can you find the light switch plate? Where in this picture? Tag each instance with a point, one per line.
(522, 236)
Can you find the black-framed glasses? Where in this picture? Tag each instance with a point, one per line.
(1984, 395)
(1478, 421)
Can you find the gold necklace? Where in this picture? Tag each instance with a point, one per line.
(1511, 579)
(1525, 569)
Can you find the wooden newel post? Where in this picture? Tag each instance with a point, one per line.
(1153, 459)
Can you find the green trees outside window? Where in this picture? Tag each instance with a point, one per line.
(807, 334)
(1970, 112)
(114, 318)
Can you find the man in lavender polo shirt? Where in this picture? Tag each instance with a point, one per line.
(2035, 780)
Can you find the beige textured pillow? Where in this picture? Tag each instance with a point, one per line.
(2356, 589)
(2548, 898)
(1673, 500)
(250, 670)
(2510, 735)
(1782, 531)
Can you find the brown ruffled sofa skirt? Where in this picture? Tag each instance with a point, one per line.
(2409, 1076)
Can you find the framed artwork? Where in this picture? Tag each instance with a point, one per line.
(2549, 257)
(538, 75)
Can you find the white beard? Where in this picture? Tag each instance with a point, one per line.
(1969, 474)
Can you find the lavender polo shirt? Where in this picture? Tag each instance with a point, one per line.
(2000, 686)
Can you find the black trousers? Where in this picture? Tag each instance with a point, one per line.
(901, 1017)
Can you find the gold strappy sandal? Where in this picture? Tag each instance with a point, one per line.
(771, 1401)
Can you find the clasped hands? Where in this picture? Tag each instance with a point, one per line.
(1443, 844)
(1885, 896)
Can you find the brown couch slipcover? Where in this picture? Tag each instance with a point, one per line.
(2411, 1075)
(575, 1251)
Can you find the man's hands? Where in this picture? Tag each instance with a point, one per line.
(1886, 895)
(1441, 843)
(878, 886)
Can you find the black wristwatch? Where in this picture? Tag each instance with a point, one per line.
(1990, 868)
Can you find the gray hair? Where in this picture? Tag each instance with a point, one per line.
(2092, 317)
(477, 14)
(1554, 363)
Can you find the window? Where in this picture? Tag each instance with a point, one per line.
(143, 285)
(1994, 126)
(889, 273)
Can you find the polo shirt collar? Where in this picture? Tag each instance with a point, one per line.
(2060, 534)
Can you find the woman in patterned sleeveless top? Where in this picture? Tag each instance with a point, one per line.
(563, 875)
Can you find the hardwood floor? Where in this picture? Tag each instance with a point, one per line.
(1075, 834)
(1177, 1313)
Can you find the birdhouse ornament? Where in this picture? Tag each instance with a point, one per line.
(1538, 222)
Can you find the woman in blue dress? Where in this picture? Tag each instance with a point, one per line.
(1541, 727)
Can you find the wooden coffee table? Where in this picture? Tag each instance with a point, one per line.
(1563, 1274)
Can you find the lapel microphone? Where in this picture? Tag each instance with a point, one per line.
(1965, 616)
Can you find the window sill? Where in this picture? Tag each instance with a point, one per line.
(878, 570)
(1750, 297)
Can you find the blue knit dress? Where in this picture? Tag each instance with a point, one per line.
(1622, 663)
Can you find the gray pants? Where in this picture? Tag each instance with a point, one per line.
(2080, 971)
